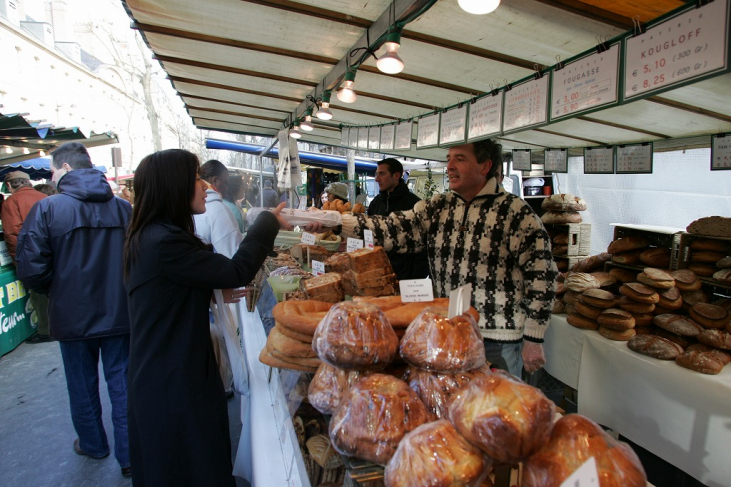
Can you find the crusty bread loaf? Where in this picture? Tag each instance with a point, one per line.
(277, 341)
(605, 279)
(300, 316)
(654, 346)
(574, 440)
(588, 311)
(686, 280)
(702, 362)
(576, 320)
(709, 315)
(722, 356)
(716, 338)
(626, 244)
(571, 297)
(615, 319)
(631, 257)
(642, 319)
(599, 298)
(639, 292)
(703, 270)
(504, 417)
(724, 275)
(616, 335)
(656, 257)
(563, 202)
(680, 325)
(558, 217)
(692, 297)
(670, 299)
(724, 263)
(623, 275)
(629, 304)
(712, 226)
(580, 282)
(593, 263)
(656, 278)
(712, 244)
(558, 307)
(706, 256)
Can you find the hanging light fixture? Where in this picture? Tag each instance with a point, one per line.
(26, 151)
(479, 7)
(306, 124)
(346, 94)
(42, 153)
(295, 132)
(8, 150)
(324, 113)
(391, 63)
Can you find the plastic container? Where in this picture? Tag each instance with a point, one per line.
(283, 284)
(533, 190)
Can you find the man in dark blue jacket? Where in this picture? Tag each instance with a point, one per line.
(71, 247)
(395, 196)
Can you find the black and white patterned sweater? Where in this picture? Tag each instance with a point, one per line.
(496, 243)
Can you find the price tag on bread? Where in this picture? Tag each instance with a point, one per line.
(585, 476)
(354, 244)
(459, 300)
(368, 238)
(318, 268)
(308, 238)
(416, 290)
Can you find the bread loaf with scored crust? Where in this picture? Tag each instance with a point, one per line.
(654, 346)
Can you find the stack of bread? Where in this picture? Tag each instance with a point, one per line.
(710, 258)
(305, 254)
(325, 287)
(594, 266)
(636, 250)
(369, 273)
(562, 208)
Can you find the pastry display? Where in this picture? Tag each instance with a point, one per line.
(329, 385)
(435, 342)
(401, 314)
(435, 455)
(436, 389)
(374, 415)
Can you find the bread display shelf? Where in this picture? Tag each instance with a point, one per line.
(657, 236)
(685, 259)
(579, 237)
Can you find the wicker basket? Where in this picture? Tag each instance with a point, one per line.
(254, 288)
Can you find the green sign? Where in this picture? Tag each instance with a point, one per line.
(15, 312)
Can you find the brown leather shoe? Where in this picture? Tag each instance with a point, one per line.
(126, 472)
(79, 451)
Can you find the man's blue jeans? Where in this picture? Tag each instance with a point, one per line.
(81, 363)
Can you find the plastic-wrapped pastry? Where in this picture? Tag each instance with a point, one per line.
(329, 385)
(435, 455)
(374, 415)
(435, 342)
(436, 389)
(355, 336)
(573, 441)
(504, 417)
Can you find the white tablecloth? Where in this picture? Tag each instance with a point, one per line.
(684, 417)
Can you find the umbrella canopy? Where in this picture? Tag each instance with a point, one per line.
(38, 168)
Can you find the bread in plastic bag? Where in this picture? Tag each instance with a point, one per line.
(436, 455)
(436, 390)
(355, 336)
(504, 417)
(374, 415)
(435, 342)
(574, 439)
(329, 385)
(296, 217)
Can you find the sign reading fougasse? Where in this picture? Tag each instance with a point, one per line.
(416, 290)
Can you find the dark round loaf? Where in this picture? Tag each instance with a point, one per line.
(654, 346)
(627, 243)
(624, 275)
(631, 257)
(587, 311)
(656, 257)
(580, 321)
(702, 362)
(709, 315)
(716, 338)
(680, 325)
(629, 304)
(599, 298)
(670, 299)
(639, 292)
(616, 319)
(618, 336)
(643, 319)
(686, 280)
(724, 357)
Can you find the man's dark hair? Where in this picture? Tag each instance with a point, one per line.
(47, 189)
(73, 154)
(267, 183)
(394, 165)
(235, 185)
(18, 183)
(211, 169)
(486, 150)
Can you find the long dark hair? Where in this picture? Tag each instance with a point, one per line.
(164, 186)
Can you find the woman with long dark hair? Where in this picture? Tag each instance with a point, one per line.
(178, 422)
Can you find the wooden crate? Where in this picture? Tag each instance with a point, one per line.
(685, 257)
(579, 237)
(665, 237)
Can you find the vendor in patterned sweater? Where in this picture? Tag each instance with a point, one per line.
(480, 234)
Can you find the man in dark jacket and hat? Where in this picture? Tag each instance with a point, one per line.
(395, 196)
(71, 247)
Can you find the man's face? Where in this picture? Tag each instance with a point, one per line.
(386, 181)
(466, 175)
(58, 172)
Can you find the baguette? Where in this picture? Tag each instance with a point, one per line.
(627, 243)
(656, 257)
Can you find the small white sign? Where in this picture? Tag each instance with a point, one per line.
(368, 238)
(308, 238)
(354, 244)
(318, 268)
(585, 476)
(5, 258)
(459, 300)
(416, 290)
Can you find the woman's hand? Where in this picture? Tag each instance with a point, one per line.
(233, 295)
(283, 224)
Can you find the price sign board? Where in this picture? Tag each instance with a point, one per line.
(452, 126)
(556, 160)
(599, 160)
(354, 244)
(678, 50)
(353, 136)
(387, 136)
(526, 105)
(368, 239)
(318, 268)
(486, 117)
(521, 159)
(416, 290)
(308, 238)
(427, 134)
(634, 159)
(345, 136)
(403, 135)
(585, 84)
(721, 152)
(362, 137)
(374, 137)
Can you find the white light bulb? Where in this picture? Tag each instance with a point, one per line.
(346, 94)
(42, 153)
(479, 7)
(324, 112)
(391, 63)
(26, 151)
(295, 133)
(307, 124)
(8, 150)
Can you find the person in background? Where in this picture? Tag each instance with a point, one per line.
(13, 213)
(481, 235)
(125, 194)
(47, 189)
(271, 198)
(179, 431)
(71, 248)
(395, 196)
(231, 198)
(337, 191)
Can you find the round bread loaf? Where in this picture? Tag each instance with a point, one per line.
(709, 315)
(576, 320)
(627, 243)
(709, 244)
(616, 319)
(693, 297)
(706, 256)
(715, 338)
(300, 316)
(574, 440)
(712, 226)
(559, 249)
(684, 342)
(360, 428)
(654, 346)
(267, 358)
(702, 362)
(563, 202)
(604, 278)
(640, 292)
(656, 278)
(593, 263)
(722, 356)
(680, 325)
(724, 263)
(580, 282)
(434, 454)
(560, 239)
(288, 346)
(502, 416)
(703, 270)
(623, 275)
(355, 335)
(616, 335)
(724, 275)
(642, 319)
(670, 299)
(293, 334)
(329, 385)
(436, 390)
(631, 257)
(558, 217)
(435, 342)
(587, 310)
(686, 280)
(558, 307)
(629, 304)
(571, 297)
(599, 298)
(656, 257)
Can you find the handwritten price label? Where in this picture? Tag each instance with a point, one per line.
(318, 268)
(368, 238)
(308, 238)
(354, 244)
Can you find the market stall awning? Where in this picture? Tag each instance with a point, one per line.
(38, 168)
(22, 138)
(248, 66)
